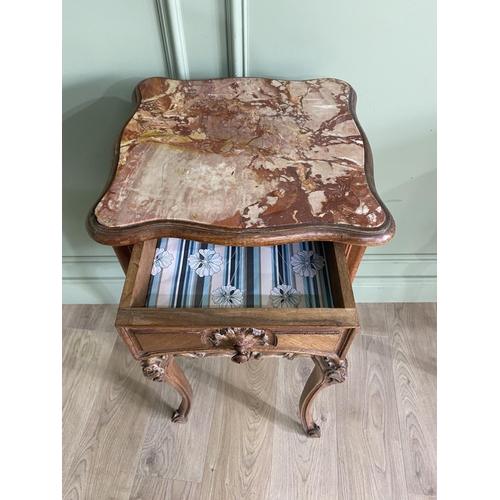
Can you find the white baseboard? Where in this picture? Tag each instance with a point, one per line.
(381, 278)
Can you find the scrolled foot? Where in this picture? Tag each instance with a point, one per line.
(178, 418)
(314, 432)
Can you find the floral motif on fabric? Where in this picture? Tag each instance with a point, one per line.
(205, 262)
(285, 296)
(306, 263)
(162, 260)
(228, 296)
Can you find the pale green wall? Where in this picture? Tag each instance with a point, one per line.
(108, 46)
(386, 50)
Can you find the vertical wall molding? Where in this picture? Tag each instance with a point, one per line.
(172, 31)
(237, 37)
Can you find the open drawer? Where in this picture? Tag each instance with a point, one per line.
(189, 298)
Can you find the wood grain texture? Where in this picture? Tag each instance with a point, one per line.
(99, 317)
(85, 356)
(414, 367)
(164, 450)
(372, 321)
(138, 275)
(112, 438)
(369, 442)
(198, 318)
(184, 342)
(239, 451)
(354, 254)
(382, 416)
(123, 254)
(156, 488)
(303, 467)
(339, 276)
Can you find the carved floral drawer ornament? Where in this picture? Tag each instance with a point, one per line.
(242, 340)
(240, 209)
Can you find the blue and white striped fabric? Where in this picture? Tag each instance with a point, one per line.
(192, 274)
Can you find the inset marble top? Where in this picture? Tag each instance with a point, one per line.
(240, 157)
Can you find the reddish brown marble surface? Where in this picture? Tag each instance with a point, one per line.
(241, 153)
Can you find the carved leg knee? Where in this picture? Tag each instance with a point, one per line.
(166, 369)
(326, 371)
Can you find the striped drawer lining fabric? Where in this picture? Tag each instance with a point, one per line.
(192, 274)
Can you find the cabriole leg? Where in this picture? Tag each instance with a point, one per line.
(166, 369)
(326, 371)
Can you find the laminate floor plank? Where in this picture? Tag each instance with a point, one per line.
(82, 342)
(85, 355)
(239, 455)
(165, 451)
(378, 427)
(303, 468)
(414, 366)
(105, 461)
(90, 317)
(368, 437)
(372, 321)
(157, 488)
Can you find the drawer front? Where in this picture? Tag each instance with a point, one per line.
(145, 344)
(241, 330)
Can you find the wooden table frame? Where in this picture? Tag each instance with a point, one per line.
(156, 336)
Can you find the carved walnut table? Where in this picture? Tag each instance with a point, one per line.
(240, 209)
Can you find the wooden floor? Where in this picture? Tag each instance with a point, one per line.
(244, 438)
